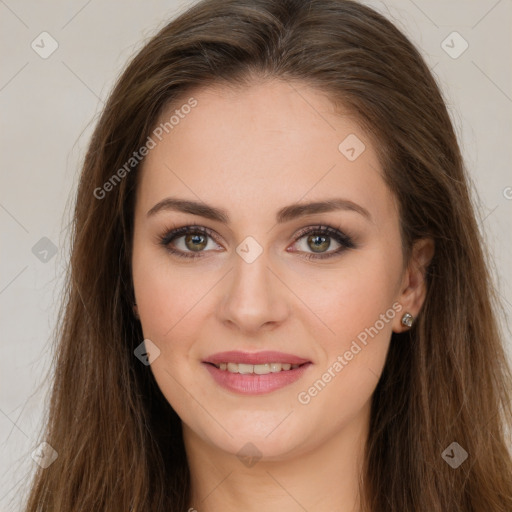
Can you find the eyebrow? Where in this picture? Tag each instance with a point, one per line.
(285, 214)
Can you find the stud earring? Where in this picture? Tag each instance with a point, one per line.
(407, 320)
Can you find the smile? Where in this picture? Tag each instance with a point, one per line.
(257, 369)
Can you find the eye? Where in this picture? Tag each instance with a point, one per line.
(188, 241)
(319, 239)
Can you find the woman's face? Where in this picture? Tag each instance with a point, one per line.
(262, 274)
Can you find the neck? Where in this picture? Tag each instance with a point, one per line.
(324, 478)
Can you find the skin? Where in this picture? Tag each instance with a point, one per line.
(253, 151)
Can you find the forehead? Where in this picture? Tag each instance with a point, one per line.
(273, 142)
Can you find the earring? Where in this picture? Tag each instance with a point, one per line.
(407, 320)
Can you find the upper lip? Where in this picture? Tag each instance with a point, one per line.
(266, 357)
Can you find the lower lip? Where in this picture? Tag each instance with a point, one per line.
(252, 384)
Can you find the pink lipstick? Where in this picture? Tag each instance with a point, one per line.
(255, 373)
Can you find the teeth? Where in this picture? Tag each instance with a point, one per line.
(258, 369)
(245, 368)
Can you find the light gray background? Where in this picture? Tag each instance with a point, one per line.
(49, 106)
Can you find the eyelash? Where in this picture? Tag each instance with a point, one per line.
(344, 240)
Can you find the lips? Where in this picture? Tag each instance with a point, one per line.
(262, 372)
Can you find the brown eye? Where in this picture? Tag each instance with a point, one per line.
(196, 242)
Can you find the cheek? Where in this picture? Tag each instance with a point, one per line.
(165, 294)
(357, 310)
(352, 297)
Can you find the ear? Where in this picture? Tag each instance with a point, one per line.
(136, 311)
(413, 288)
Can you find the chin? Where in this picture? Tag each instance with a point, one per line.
(254, 435)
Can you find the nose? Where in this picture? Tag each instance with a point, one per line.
(255, 297)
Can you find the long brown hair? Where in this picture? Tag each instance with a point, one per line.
(119, 442)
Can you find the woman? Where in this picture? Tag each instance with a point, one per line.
(277, 298)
